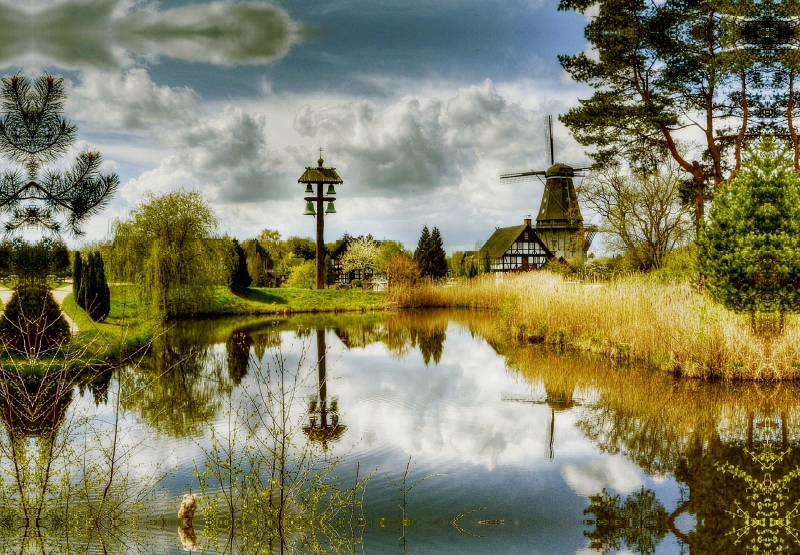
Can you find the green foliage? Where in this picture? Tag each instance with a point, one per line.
(167, 247)
(472, 270)
(430, 256)
(32, 322)
(94, 294)
(302, 247)
(330, 276)
(32, 134)
(77, 274)
(749, 249)
(303, 276)
(258, 262)
(33, 262)
(641, 522)
(654, 73)
(486, 263)
(240, 278)
(386, 251)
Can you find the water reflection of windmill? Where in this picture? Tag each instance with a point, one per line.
(323, 422)
(559, 396)
(559, 223)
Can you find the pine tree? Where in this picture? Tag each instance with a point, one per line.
(33, 134)
(77, 275)
(421, 253)
(750, 246)
(437, 255)
(240, 278)
(430, 256)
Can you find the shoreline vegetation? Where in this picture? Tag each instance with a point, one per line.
(668, 326)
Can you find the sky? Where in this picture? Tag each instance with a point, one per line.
(420, 105)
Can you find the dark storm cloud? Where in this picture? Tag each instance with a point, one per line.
(101, 33)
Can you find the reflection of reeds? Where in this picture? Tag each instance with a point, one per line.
(669, 326)
(654, 419)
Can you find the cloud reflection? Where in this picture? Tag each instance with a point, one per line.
(103, 33)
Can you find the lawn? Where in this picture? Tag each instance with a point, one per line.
(261, 300)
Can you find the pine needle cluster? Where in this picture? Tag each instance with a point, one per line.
(33, 133)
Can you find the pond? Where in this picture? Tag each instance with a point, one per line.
(411, 432)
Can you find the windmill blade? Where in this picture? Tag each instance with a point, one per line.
(548, 139)
(520, 176)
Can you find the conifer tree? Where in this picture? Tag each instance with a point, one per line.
(240, 278)
(421, 253)
(77, 275)
(95, 293)
(437, 255)
(33, 133)
(750, 246)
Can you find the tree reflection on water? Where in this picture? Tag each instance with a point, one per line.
(267, 465)
(731, 445)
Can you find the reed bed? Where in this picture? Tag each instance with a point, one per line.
(670, 326)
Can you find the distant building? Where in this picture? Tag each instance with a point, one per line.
(342, 277)
(514, 249)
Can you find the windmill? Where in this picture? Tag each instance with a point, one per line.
(559, 223)
(559, 397)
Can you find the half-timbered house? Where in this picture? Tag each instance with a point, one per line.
(514, 249)
(342, 277)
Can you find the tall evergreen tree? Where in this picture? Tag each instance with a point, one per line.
(240, 278)
(77, 276)
(437, 255)
(95, 293)
(750, 247)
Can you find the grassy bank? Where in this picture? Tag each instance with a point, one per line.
(670, 326)
(126, 331)
(121, 334)
(259, 300)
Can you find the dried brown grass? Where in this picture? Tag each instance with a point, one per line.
(670, 326)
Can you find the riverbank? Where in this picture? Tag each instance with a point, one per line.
(668, 326)
(125, 331)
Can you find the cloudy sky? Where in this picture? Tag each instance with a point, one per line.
(419, 104)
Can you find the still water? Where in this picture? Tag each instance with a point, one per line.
(461, 442)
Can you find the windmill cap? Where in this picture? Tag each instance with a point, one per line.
(560, 170)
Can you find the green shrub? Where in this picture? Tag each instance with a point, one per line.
(32, 321)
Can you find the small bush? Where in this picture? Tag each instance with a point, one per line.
(32, 321)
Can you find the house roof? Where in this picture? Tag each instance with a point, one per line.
(504, 237)
(501, 240)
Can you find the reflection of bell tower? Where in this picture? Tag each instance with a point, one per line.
(323, 421)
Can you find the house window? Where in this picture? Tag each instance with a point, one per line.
(525, 235)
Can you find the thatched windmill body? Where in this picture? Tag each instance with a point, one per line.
(559, 223)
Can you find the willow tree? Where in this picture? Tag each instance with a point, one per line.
(167, 246)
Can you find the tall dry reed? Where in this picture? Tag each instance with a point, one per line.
(671, 326)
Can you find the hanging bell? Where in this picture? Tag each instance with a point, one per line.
(331, 190)
(309, 209)
(309, 189)
(330, 209)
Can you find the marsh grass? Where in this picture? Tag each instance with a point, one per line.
(667, 325)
